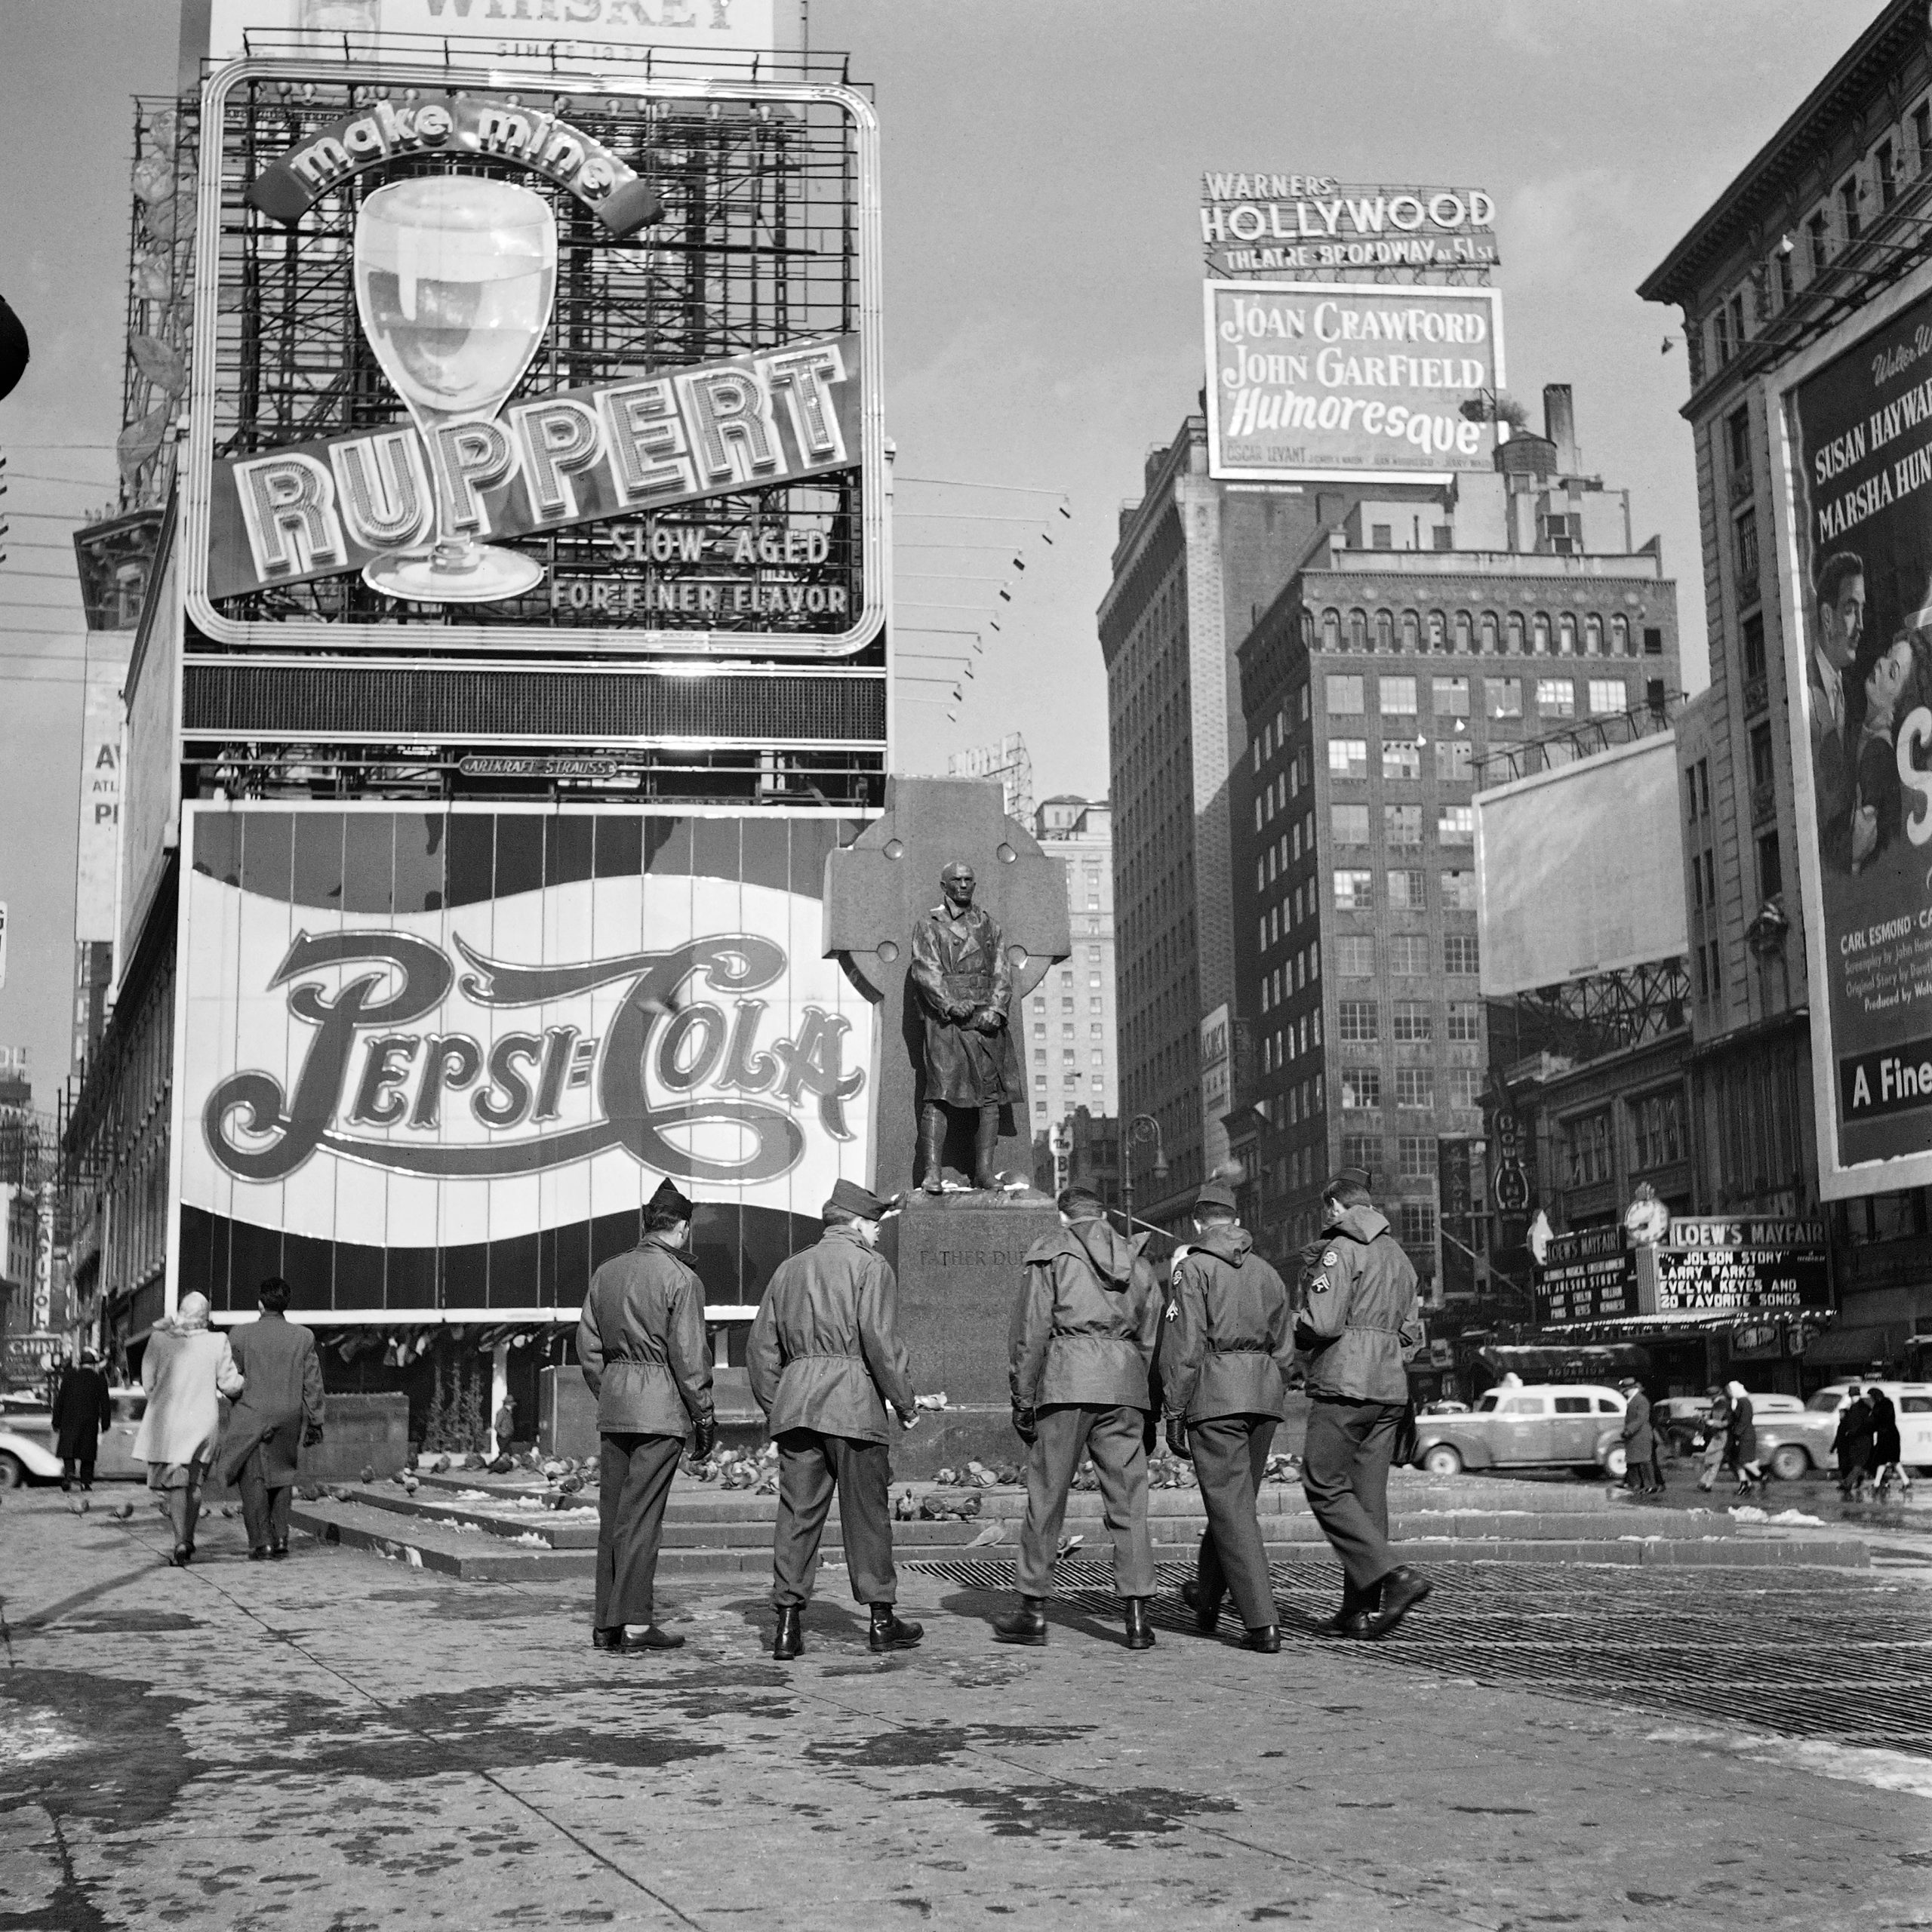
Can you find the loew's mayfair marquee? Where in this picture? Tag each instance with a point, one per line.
(1696, 1266)
(534, 369)
(429, 1063)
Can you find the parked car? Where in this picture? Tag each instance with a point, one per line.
(1555, 1425)
(1443, 1405)
(26, 1440)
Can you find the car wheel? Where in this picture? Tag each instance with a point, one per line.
(13, 1471)
(1616, 1462)
(1789, 1462)
(1441, 1460)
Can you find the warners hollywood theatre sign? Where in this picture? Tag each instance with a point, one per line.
(455, 281)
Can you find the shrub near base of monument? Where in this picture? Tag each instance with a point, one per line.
(961, 1261)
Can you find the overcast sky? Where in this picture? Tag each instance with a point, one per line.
(1042, 167)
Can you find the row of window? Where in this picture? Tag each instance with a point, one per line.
(1274, 732)
(1657, 1136)
(1415, 1155)
(1502, 698)
(1290, 1042)
(1513, 633)
(1412, 1022)
(1413, 1087)
(1408, 955)
(1402, 825)
(1291, 976)
(1401, 758)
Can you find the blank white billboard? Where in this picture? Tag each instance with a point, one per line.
(1580, 870)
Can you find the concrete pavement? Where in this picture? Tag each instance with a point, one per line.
(343, 1743)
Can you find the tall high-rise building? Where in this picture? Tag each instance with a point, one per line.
(1410, 637)
(1068, 1050)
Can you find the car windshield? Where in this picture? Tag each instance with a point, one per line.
(1826, 1401)
(1484, 1407)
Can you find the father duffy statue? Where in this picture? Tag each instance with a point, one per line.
(965, 984)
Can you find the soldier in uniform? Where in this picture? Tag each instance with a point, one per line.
(825, 1358)
(1358, 1322)
(964, 983)
(1226, 1347)
(1080, 1349)
(641, 1343)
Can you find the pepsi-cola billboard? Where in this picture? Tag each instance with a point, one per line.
(430, 1063)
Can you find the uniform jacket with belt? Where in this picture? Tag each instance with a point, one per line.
(1228, 1342)
(825, 1352)
(1084, 1326)
(283, 1393)
(641, 1343)
(960, 963)
(1359, 1319)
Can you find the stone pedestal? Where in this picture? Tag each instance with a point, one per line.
(959, 1260)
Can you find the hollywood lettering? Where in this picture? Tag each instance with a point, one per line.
(500, 127)
(578, 456)
(369, 1064)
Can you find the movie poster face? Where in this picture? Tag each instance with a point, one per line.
(436, 1061)
(1860, 432)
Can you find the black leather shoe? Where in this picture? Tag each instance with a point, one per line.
(790, 1641)
(1026, 1624)
(891, 1631)
(277, 1551)
(182, 1552)
(1139, 1632)
(259, 1554)
(1348, 1623)
(1401, 1590)
(1266, 1638)
(652, 1639)
(609, 1639)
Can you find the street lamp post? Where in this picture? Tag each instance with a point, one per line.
(1141, 1127)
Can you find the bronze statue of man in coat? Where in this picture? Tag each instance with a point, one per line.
(964, 985)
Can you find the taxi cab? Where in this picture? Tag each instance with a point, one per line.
(1539, 1425)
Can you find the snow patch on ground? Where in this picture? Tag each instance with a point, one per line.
(27, 1736)
(1885, 1770)
(1748, 1513)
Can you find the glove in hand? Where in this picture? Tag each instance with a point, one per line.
(1177, 1438)
(704, 1433)
(311, 1435)
(1024, 1425)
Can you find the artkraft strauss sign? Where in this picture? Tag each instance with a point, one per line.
(533, 379)
(467, 1052)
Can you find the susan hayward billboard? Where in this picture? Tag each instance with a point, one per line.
(429, 1064)
(1858, 425)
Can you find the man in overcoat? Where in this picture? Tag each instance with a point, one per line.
(1226, 1346)
(1359, 1320)
(83, 1410)
(965, 984)
(1639, 1440)
(824, 1359)
(1080, 1350)
(280, 1408)
(640, 1343)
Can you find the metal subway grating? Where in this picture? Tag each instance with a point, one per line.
(1769, 1654)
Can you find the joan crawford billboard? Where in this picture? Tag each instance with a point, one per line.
(522, 366)
(1348, 381)
(1858, 498)
(436, 1061)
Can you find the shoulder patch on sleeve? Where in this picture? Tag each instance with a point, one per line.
(1330, 1259)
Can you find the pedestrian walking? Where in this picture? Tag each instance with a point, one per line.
(1851, 1442)
(1717, 1438)
(83, 1412)
(825, 1358)
(1080, 1349)
(1226, 1348)
(1639, 1439)
(1358, 1322)
(1882, 1461)
(1741, 1448)
(186, 1369)
(640, 1343)
(278, 1414)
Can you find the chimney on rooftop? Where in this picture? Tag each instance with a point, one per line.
(1559, 424)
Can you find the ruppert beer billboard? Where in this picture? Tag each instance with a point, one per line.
(1360, 382)
(539, 363)
(1856, 503)
(430, 1063)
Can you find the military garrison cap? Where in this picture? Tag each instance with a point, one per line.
(1216, 1194)
(1349, 1177)
(668, 1200)
(847, 1197)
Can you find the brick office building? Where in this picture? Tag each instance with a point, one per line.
(1411, 636)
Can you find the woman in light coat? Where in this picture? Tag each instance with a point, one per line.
(186, 1370)
(1744, 1442)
